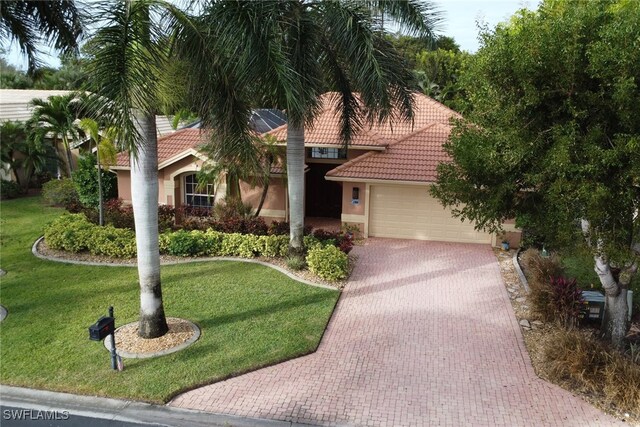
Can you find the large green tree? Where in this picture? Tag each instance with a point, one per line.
(292, 51)
(554, 136)
(31, 22)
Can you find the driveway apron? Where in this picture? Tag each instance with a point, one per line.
(424, 334)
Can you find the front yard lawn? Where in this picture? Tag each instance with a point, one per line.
(250, 316)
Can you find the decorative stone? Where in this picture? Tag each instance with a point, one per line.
(521, 299)
(2, 272)
(525, 324)
(538, 323)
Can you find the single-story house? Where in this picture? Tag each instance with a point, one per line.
(380, 183)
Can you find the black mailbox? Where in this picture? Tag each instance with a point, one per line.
(103, 327)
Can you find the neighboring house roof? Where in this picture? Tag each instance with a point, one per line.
(414, 157)
(14, 106)
(14, 103)
(326, 128)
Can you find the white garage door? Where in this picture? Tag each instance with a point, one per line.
(410, 212)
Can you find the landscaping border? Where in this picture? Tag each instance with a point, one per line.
(34, 250)
(516, 265)
(127, 355)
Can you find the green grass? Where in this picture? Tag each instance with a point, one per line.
(250, 316)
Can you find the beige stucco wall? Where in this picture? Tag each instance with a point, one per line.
(352, 214)
(274, 207)
(124, 185)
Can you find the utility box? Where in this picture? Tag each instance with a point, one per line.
(593, 310)
(102, 328)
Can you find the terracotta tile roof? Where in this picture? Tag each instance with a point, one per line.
(171, 145)
(178, 142)
(412, 158)
(326, 128)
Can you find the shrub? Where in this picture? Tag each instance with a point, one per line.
(565, 300)
(553, 297)
(236, 244)
(60, 192)
(296, 262)
(113, 242)
(70, 232)
(232, 208)
(272, 246)
(329, 263)
(118, 215)
(580, 358)
(186, 243)
(85, 179)
(540, 269)
(213, 242)
(9, 189)
(256, 226)
(282, 227)
(166, 217)
(278, 228)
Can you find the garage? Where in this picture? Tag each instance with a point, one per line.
(410, 212)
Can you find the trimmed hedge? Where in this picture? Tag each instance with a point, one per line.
(328, 262)
(75, 233)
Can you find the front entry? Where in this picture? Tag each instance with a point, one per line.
(322, 198)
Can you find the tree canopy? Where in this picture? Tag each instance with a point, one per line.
(554, 135)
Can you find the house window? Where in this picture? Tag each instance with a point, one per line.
(327, 153)
(197, 196)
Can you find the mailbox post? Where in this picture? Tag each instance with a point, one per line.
(105, 326)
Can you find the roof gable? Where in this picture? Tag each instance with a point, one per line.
(170, 147)
(412, 158)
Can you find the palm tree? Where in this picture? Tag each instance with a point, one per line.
(30, 22)
(127, 56)
(24, 155)
(55, 118)
(105, 151)
(291, 52)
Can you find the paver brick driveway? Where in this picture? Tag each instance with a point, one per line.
(424, 334)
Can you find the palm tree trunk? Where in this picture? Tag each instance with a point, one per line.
(295, 174)
(67, 152)
(265, 190)
(100, 204)
(144, 198)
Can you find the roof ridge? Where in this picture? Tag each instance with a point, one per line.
(441, 105)
(372, 153)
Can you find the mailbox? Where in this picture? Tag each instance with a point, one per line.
(103, 327)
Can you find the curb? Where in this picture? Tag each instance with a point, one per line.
(124, 410)
(521, 275)
(34, 250)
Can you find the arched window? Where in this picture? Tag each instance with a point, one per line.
(196, 196)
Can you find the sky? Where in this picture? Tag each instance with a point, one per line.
(459, 21)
